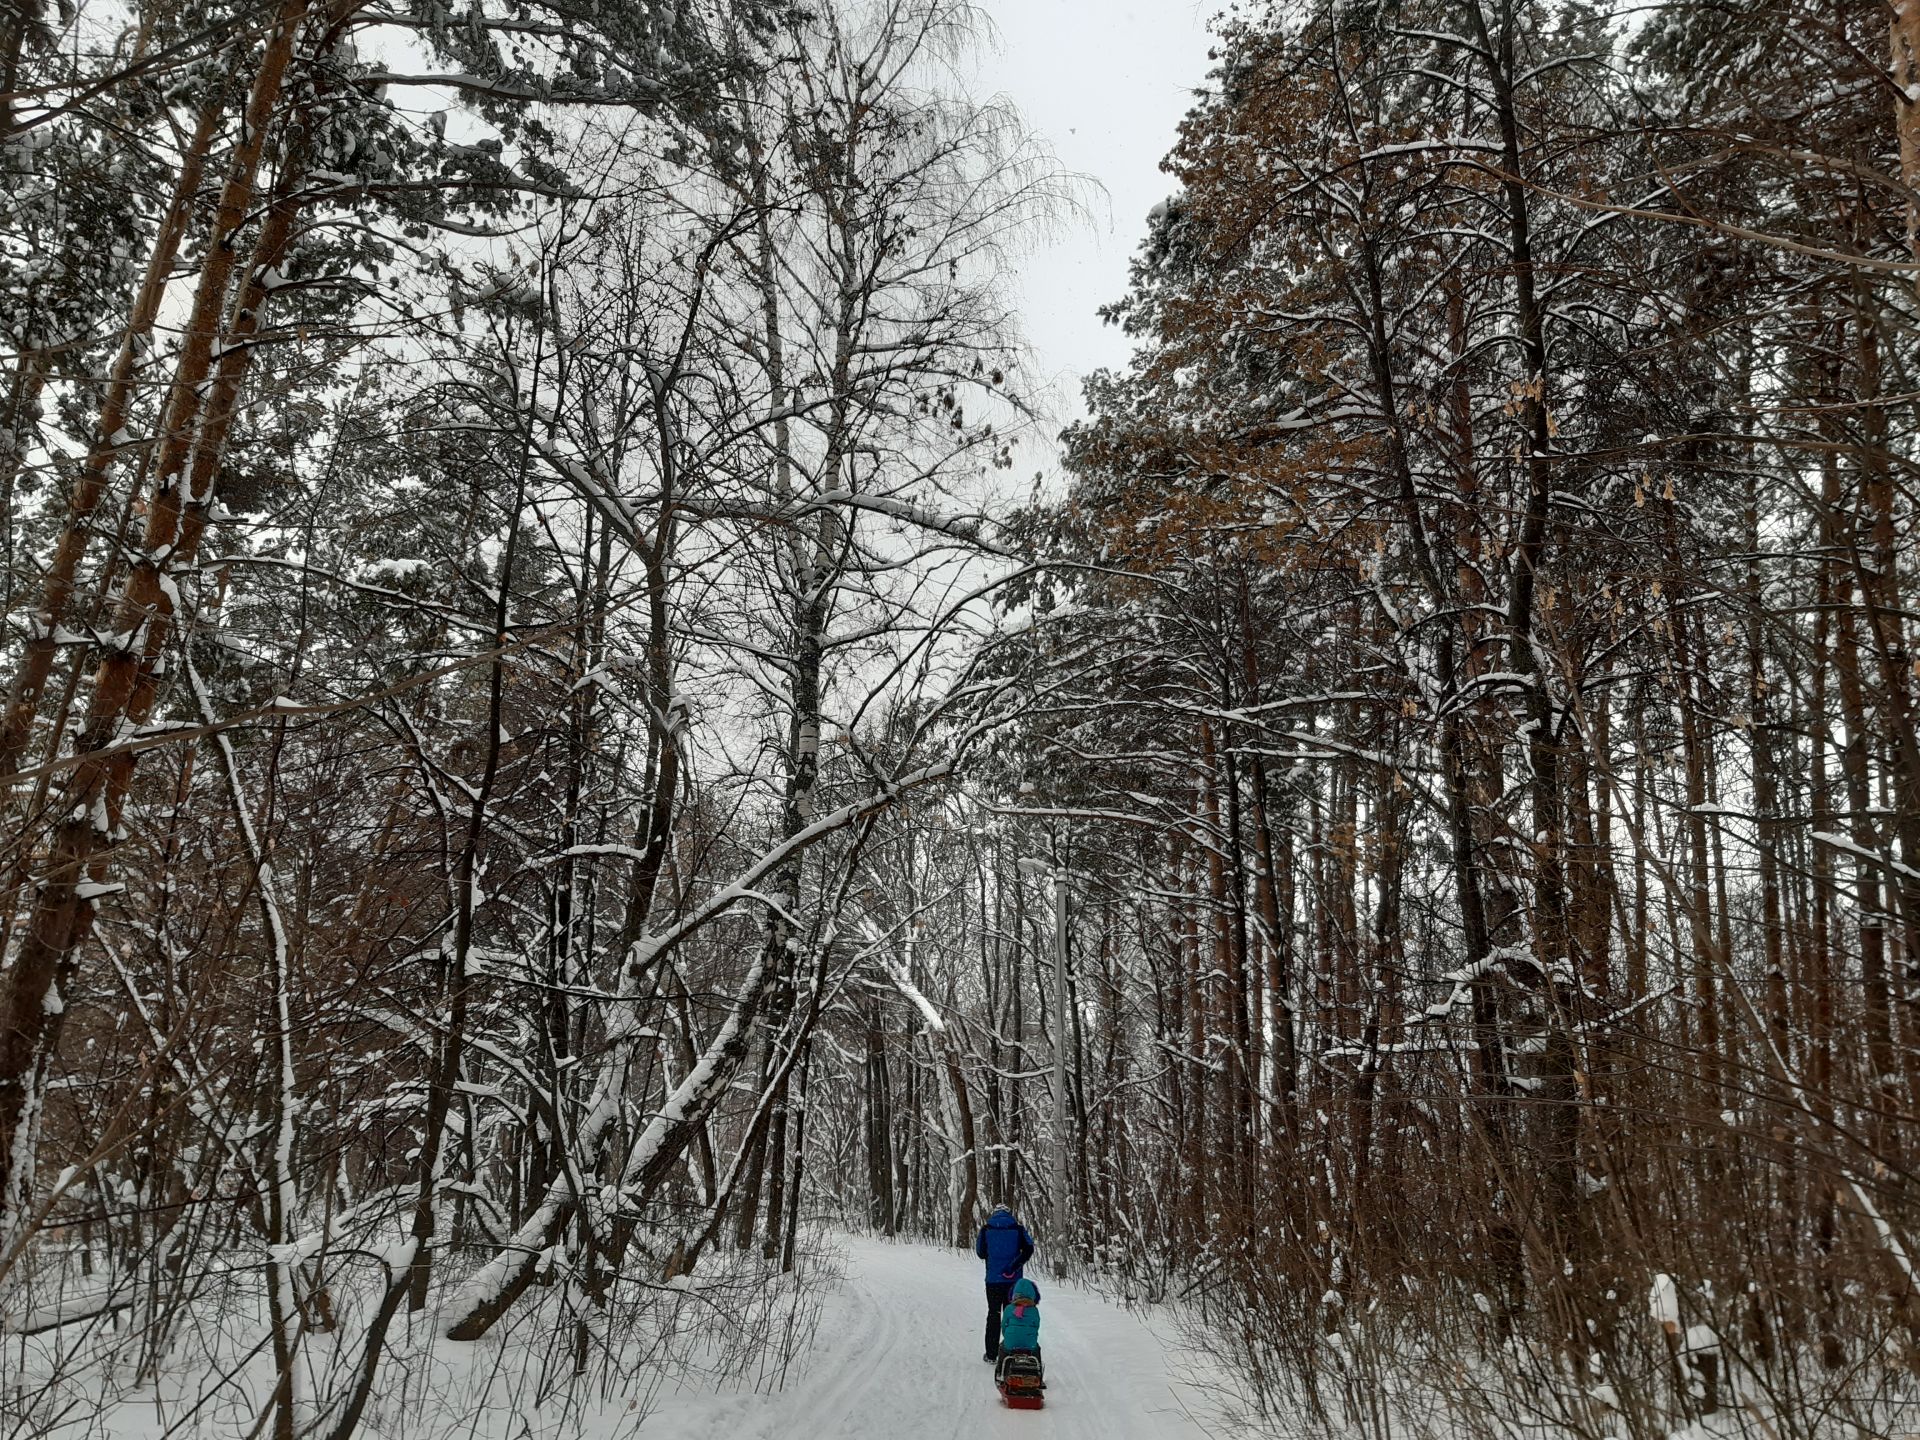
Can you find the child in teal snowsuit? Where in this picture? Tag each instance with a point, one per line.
(1020, 1323)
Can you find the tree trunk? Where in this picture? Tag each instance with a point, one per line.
(199, 410)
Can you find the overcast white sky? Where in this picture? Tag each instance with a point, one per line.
(1105, 82)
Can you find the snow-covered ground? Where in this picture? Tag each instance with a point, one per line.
(898, 1356)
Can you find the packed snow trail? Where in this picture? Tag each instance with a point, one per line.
(898, 1358)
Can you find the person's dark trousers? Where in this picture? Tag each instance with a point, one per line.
(998, 1294)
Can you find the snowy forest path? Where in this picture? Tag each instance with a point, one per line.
(898, 1356)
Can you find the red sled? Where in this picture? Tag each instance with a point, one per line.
(1020, 1382)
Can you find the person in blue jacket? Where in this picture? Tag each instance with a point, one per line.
(1006, 1247)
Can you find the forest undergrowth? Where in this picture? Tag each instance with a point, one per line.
(195, 1366)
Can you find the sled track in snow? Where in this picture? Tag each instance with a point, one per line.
(898, 1358)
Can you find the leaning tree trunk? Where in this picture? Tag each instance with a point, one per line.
(57, 584)
(198, 413)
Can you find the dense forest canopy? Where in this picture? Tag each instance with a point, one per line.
(557, 751)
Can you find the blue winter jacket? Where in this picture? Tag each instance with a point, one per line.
(1005, 1245)
(1020, 1320)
